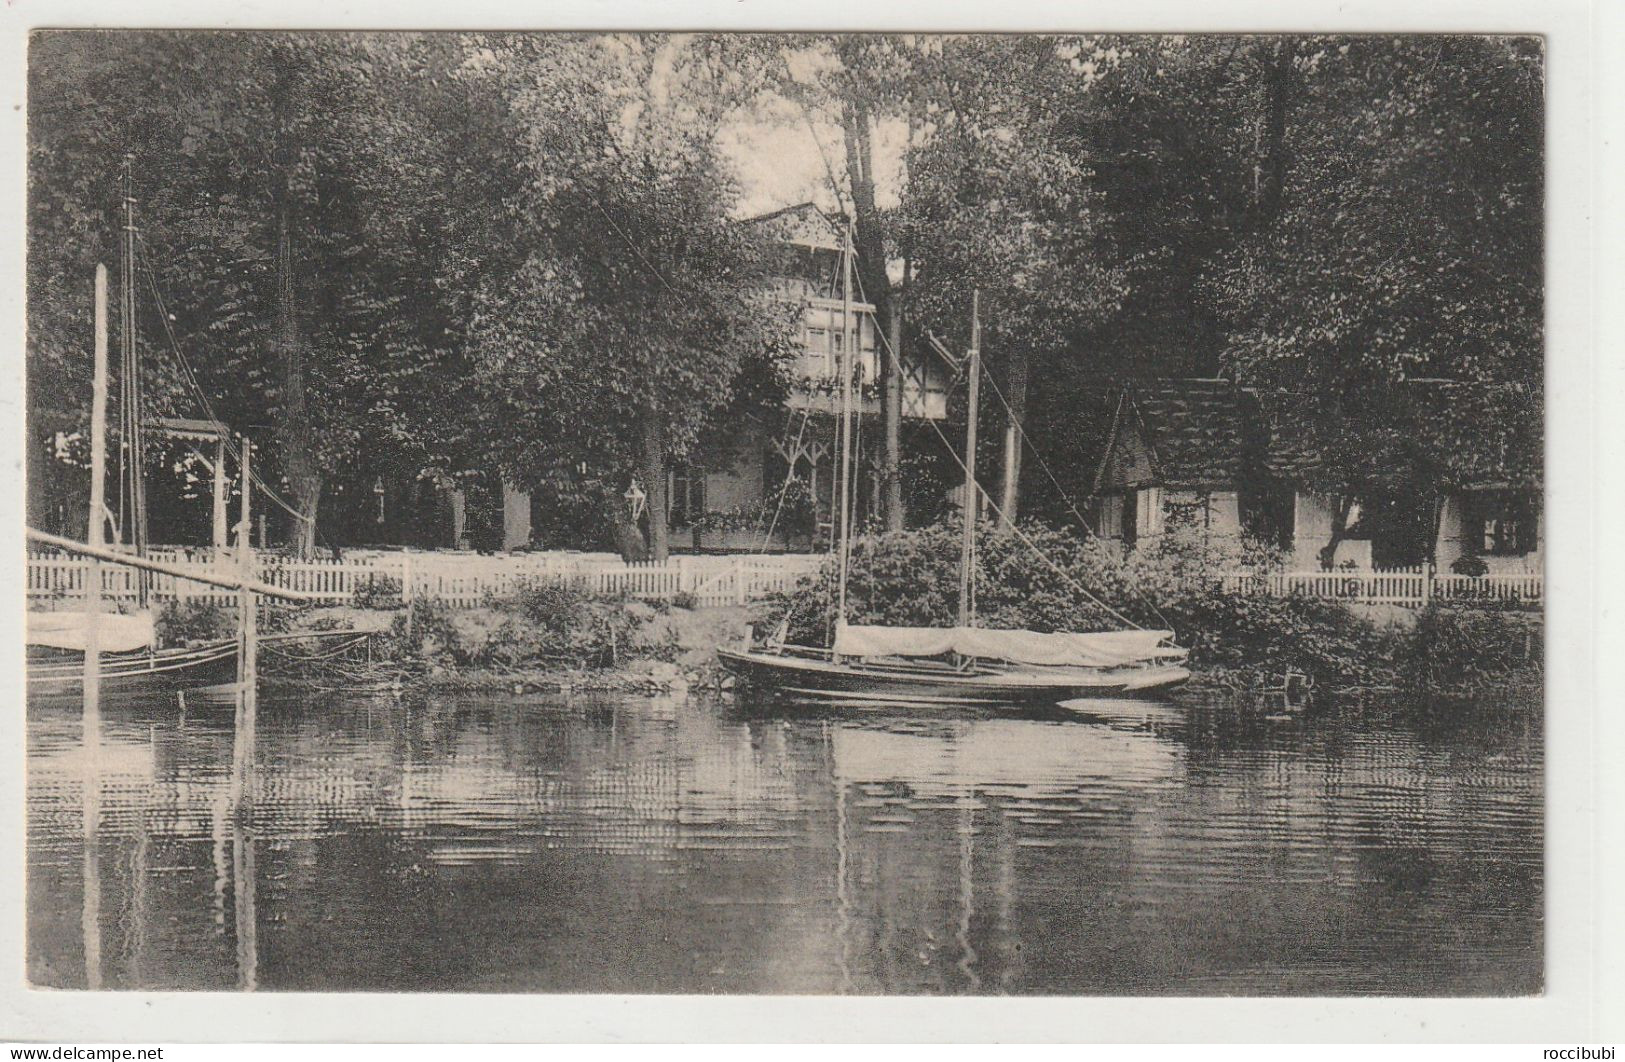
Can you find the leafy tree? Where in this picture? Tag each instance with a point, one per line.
(1000, 200)
(1404, 242)
(639, 304)
(304, 208)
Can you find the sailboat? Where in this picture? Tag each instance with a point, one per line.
(126, 644)
(951, 666)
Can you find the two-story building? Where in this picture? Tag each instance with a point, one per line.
(773, 484)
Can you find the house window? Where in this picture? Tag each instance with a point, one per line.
(1501, 525)
(1148, 511)
(686, 500)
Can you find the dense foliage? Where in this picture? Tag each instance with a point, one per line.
(1455, 646)
(418, 259)
(911, 579)
(548, 625)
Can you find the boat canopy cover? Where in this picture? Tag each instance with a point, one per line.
(1096, 649)
(116, 633)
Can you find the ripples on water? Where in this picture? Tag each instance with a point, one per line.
(630, 845)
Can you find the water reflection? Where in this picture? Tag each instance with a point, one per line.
(636, 845)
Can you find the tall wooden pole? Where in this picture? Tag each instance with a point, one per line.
(91, 908)
(98, 514)
(248, 649)
(894, 416)
(1010, 492)
(135, 437)
(967, 554)
(221, 539)
(844, 528)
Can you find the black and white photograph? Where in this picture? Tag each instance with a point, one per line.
(785, 514)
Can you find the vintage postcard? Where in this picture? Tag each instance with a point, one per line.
(786, 514)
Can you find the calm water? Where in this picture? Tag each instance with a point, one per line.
(630, 845)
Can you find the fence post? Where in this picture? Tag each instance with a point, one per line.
(1427, 583)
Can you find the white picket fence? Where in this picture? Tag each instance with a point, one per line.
(462, 580)
(1412, 587)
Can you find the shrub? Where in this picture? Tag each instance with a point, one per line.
(685, 600)
(183, 622)
(379, 591)
(910, 578)
(1457, 644)
(426, 632)
(561, 622)
(1468, 564)
(277, 617)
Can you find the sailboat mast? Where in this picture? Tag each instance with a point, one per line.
(967, 552)
(844, 529)
(95, 532)
(131, 383)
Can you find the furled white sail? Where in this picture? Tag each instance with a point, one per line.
(115, 632)
(1061, 649)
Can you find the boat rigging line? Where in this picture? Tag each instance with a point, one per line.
(190, 376)
(896, 364)
(132, 487)
(789, 477)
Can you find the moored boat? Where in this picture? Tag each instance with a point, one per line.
(61, 672)
(962, 665)
(811, 675)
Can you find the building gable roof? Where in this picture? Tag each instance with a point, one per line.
(804, 224)
(1178, 434)
(1472, 435)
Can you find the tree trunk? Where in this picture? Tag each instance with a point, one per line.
(1010, 496)
(653, 471)
(1340, 522)
(299, 460)
(628, 539)
(893, 469)
(1431, 552)
(870, 238)
(307, 501)
(39, 496)
(1273, 163)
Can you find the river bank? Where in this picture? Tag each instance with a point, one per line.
(603, 645)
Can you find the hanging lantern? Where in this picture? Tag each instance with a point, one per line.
(378, 492)
(636, 500)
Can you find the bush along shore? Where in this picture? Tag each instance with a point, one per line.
(558, 636)
(546, 637)
(1241, 641)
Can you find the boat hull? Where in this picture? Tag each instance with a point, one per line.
(814, 680)
(63, 674)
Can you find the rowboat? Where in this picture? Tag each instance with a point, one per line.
(56, 672)
(59, 671)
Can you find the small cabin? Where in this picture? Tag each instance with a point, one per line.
(1177, 457)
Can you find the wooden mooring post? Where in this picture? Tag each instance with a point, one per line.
(91, 907)
(244, 725)
(98, 509)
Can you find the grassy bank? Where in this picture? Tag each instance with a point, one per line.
(546, 637)
(558, 636)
